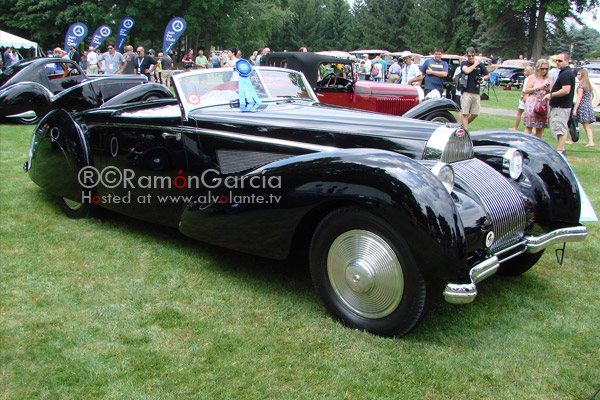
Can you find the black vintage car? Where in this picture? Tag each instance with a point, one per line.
(510, 76)
(32, 88)
(335, 81)
(389, 209)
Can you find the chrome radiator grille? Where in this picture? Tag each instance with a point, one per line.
(394, 106)
(504, 205)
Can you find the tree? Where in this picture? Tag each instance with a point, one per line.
(537, 12)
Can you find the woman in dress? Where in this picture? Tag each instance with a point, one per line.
(538, 85)
(528, 72)
(583, 105)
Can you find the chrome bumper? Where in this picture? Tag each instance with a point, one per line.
(465, 293)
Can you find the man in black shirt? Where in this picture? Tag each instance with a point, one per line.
(470, 101)
(561, 101)
(142, 63)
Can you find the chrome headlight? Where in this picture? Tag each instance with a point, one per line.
(512, 163)
(445, 174)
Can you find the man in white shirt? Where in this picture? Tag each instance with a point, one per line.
(411, 74)
(368, 65)
(92, 62)
(112, 61)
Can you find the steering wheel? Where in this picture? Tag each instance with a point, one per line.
(326, 81)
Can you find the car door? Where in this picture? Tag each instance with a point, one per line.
(142, 164)
(335, 84)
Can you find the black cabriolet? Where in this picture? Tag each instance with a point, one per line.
(389, 209)
(32, 88)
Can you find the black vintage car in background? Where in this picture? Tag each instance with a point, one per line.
(389, 210)
(31, 88)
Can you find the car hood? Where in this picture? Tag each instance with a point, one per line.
(380, 88)
(324, 125)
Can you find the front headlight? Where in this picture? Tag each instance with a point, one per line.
(512, 163)
(445, 174)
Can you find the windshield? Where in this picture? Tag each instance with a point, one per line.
(203, 88)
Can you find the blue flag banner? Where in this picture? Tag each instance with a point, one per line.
(173, 32)
(75, 35)
(249, 100)
(124, 28)
(101, 34)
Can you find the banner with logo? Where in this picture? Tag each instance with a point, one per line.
(124, 28)
(75, 35)
(101, 34)
(173, 32)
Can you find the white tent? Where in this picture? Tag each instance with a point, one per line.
(10, 40)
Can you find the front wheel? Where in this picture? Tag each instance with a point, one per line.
(365, 274)
(441, 116)
(74, 209)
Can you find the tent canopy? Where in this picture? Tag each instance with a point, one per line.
(10, 40)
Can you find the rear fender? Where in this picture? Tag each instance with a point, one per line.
(139, 93)
(431, 106)
(23, 97)
(387, 183)
(59, 150)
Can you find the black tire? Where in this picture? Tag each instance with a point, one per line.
(75, 210)
(365, 274)
(441, 116)
(519, 264)
(152, 96)
(29, 121)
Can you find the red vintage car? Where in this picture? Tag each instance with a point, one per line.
(335, 81)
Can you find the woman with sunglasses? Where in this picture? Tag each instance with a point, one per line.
(537, 113)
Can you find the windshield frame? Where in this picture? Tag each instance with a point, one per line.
(187, 108)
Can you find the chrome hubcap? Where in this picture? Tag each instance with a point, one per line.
(365, 273)
(73, 205)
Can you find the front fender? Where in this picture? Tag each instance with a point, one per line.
(25, 96)
(139, 93)
(59, 150)
(431, 106)
(401, 190)
(547, 181)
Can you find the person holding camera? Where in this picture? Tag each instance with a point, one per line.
(470, 100)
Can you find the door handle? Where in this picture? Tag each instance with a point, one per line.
(320, 95)
(167, 135)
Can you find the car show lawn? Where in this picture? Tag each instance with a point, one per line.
(113, 307)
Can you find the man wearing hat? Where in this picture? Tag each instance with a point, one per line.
(411, 74)
(368, 66)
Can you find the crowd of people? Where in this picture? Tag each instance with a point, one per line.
(546, 99)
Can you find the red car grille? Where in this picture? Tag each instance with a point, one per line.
(395, 106)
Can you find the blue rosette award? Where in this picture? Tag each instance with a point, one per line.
(249, 100)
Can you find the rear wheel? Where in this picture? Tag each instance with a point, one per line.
(365, 274)
(441, 116)
(519, 264)
(74, 209)
(152, 96)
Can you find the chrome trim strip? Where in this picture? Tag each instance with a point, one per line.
(26, 114)
(228, 134)
(457, 293)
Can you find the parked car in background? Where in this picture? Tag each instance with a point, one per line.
(32, 88)
(512, 73)
(335, 81)
(593, 69)
(389, 210)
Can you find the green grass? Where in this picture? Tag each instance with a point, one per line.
(118, 308)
